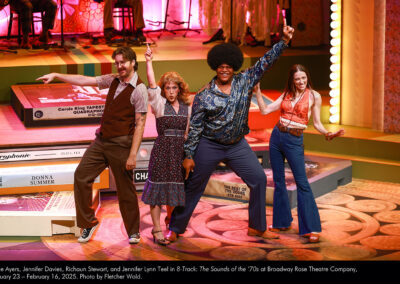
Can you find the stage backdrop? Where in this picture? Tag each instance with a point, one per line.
(370, 71)
(87, 16)
(392, 63)
(311, 21)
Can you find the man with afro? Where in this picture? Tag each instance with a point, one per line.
(217, 128)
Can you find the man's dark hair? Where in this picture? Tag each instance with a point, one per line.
(225, 53)
(127, 53)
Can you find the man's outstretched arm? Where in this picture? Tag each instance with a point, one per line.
(73, 79)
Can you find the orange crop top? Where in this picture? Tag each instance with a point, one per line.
(298, 113)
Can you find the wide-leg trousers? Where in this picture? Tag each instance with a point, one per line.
(243, 161)
(101, 153)
(285, 145)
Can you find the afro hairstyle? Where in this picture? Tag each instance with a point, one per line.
(225, 53)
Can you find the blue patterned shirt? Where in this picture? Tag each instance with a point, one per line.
(223, 118)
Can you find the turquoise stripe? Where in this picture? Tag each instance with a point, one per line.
(89, 69)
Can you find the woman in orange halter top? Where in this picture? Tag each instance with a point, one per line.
(297, 103)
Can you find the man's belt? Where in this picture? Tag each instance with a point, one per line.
(293, 131)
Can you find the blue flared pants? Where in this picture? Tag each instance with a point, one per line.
(285, 145)
(242, 160)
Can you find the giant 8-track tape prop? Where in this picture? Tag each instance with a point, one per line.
(324, 175)
(58, 104)
(41, 213)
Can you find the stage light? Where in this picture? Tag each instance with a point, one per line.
(334, 110)
(334, 59)
(334, 93)
(335, 42)
(335, 67)
(334, 118)
(334, 33)
(334, 24)
(334, 101)
(333, 84)
(335, 51)
(334, 76)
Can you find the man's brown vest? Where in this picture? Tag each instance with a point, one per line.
(119, 114)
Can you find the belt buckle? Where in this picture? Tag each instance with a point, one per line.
(283, 128)
(295, 132)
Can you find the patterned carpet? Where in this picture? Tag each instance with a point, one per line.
(360, 221)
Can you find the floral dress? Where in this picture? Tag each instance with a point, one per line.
(165, 183)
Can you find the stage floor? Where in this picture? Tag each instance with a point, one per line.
(360, 221)
(186, 55)
(14, 133)
(80, 49)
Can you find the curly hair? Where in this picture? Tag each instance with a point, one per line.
(174, 77)
(225, 53)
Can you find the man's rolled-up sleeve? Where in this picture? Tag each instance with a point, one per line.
(139, 98)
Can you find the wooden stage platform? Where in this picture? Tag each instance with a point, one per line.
(15, 133)
(186, 55)
(172, 52)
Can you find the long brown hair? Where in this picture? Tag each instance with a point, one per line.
(290, 88)
(174, 77)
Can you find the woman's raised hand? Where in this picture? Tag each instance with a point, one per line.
(148, 54)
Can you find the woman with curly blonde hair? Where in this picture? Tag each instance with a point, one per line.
(169, 102)
(172, 76)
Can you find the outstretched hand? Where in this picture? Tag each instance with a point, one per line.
(148, 54)
(288, 32)
(47, 78)
(329, 136)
